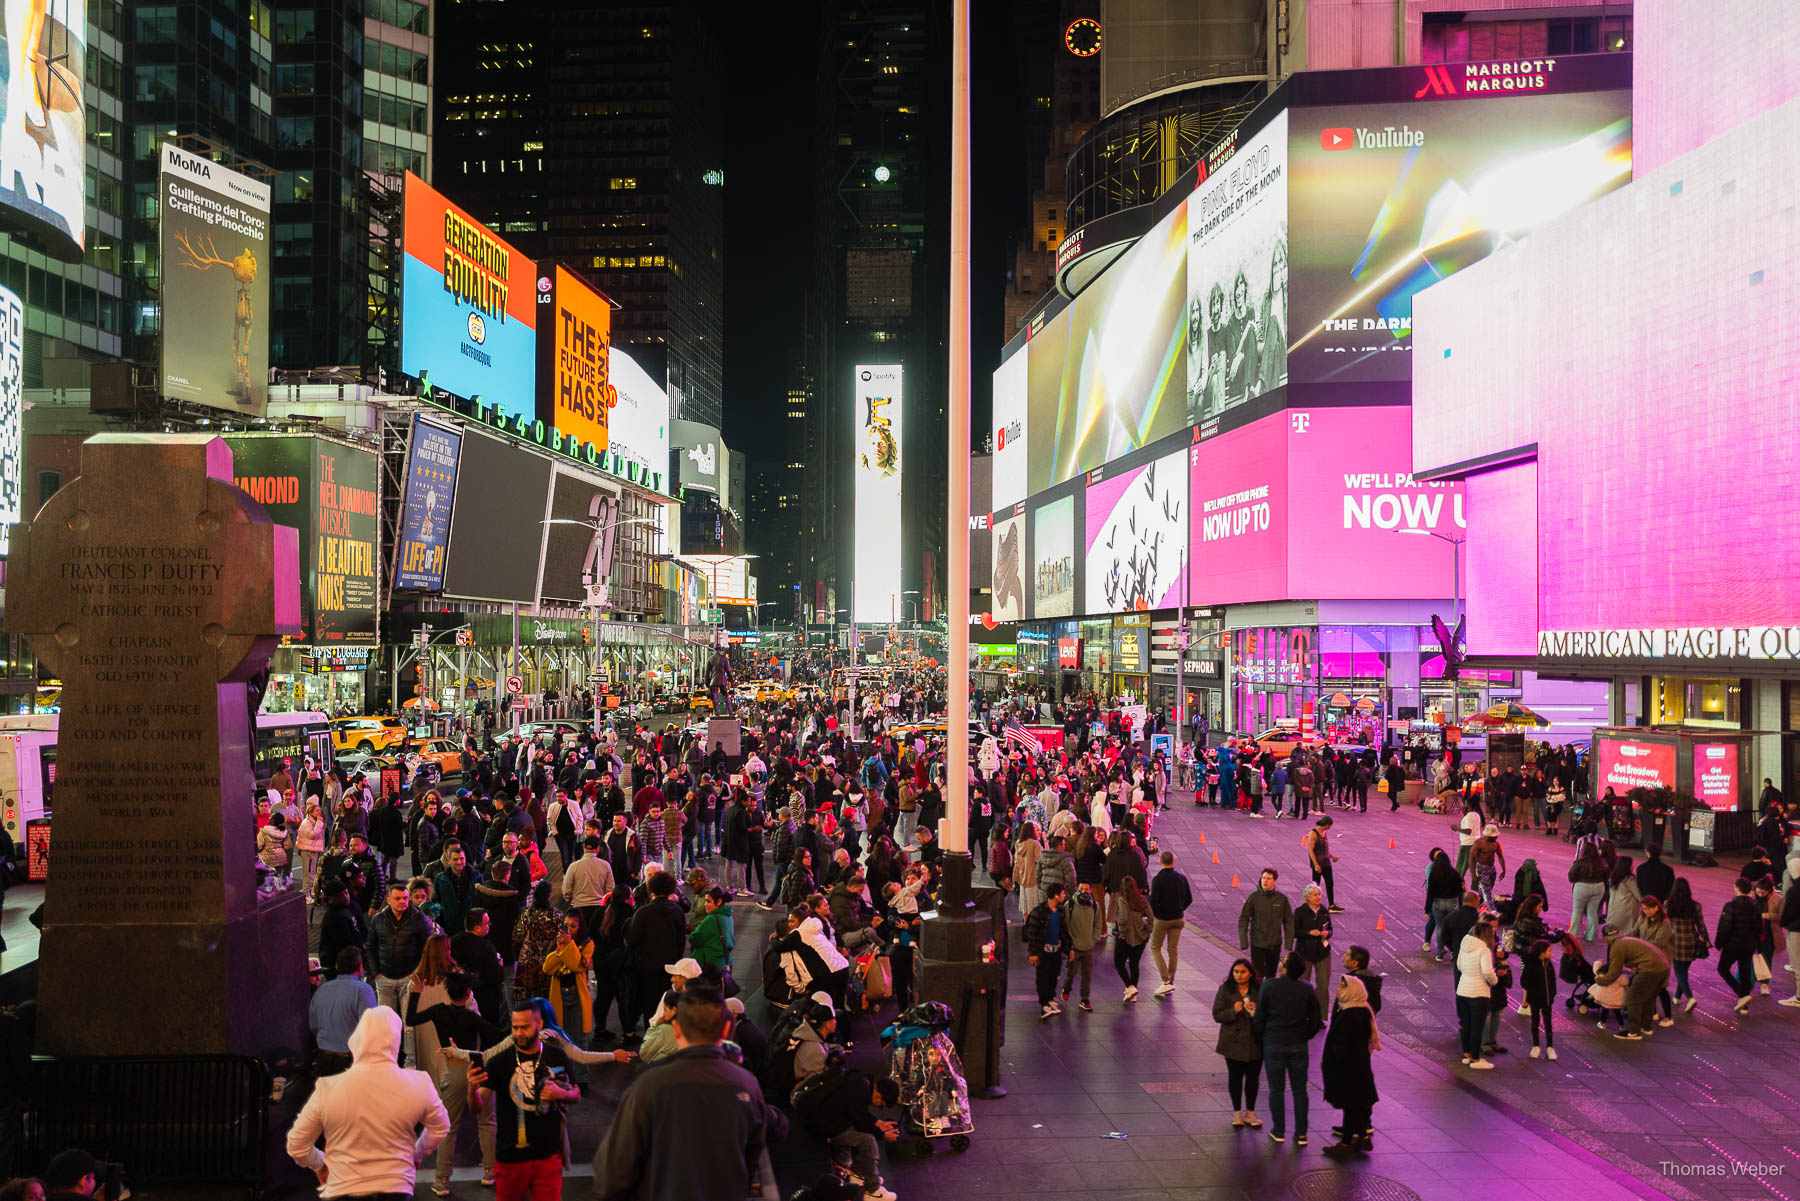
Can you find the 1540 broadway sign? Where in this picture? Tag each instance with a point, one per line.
(1706, 642)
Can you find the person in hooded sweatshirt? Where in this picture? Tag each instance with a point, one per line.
(366, 1116)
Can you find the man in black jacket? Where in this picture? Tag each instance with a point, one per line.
(1356, 963)
(654, 1134)
(476, 955)
(1654, 877)
(1790, 924)
(1740, 929)
(397, 937)
(1170, 896)
(1287, 1018)
(835, 1106)
(1456, 927)
(1048, 943)
(656, 935)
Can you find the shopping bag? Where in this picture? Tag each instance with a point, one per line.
(1761, 966)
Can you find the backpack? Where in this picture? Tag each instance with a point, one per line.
(778, 1081)
(816, 1102)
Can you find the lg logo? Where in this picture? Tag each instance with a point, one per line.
(1300, 421)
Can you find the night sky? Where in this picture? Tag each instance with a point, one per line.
(769, 203)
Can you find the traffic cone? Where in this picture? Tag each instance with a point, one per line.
(1234, 882)
(1390, 844)
(1381, 921)
(1215, 856)
(1203, 838)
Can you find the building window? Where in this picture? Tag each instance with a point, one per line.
(49, 482)
(1696, 701)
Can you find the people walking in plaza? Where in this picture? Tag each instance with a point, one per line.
(397, 937)
(1395, 776)
(1048, 943)
(1474, 984)
(1739, 930)
(1312, 941)
(1487, 862)
(1286, 1019)
(1588, 877)
(1346, 1067)
(1467, 829)
(1443, 893)
(1537, 979)
(367, 1116)
(1266, 925)
(528, 1084)
(1131, 933)
(1086, 929)
(1320, 859)
(1170, 896)
(1234, 1008)
(336, 1010)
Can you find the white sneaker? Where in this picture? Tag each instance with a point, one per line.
(1049, 1012)
(1131, 992)
(1550, 1053)
(1790, 1002)
(1165, 988)
(1665, 1021)
(1481, 1065)
(1524, 1011)
(1426, 947)
(1056, 1007)
(1743, 1003)
(880, 1193)
(1688, 1005)
(1534, 1052)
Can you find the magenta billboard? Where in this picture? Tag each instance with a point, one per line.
(1238, 493)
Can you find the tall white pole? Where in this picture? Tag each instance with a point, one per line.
(955, 832)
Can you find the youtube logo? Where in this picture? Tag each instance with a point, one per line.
(1337, 139)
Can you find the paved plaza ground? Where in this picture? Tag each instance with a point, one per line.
(1704, 1109)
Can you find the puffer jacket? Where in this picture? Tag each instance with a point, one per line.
(1056, 867)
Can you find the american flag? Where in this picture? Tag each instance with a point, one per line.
(1025, 738)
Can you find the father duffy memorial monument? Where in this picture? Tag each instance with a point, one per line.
(157, 590)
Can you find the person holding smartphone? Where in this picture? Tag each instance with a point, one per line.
(528, 1083)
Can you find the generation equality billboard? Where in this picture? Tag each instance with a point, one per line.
(880, 401)
(215, 274)
(468, 317)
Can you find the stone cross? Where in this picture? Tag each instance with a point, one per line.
(156, 590)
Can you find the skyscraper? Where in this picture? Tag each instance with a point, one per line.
(880, 286)
(592, 135)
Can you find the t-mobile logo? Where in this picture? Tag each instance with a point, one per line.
(1300, 421)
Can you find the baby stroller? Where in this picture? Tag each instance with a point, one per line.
(934, 1093)
(1584, 998)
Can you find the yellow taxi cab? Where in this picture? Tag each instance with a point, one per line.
(445, 753)
(365, 734)
(700, 703)
(1283, 741)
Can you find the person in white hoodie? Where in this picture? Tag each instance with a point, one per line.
(366, 1115)
(837, 983)
(1475, 963)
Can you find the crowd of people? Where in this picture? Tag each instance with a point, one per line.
(580, 892)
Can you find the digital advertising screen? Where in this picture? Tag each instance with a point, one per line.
(576, 391)
(1053, 559)
(425, 508)
(1237, 277)
(326, 491)
(1012, 441)
(43, 126)
(702, 454)
(497, 523)
(1716, 774)
(1394, 197)
(1359, 524)
(1108, 374)
(639, 429)
(1238, 489)
(981, 542)
(12, 414)
(215, 273)
(1626, 763)
(1009, 564)
(469, 310)
(880, 403)
(579, 538)
(1137, 522)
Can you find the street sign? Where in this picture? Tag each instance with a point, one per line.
(514, 685)
(596, 596)
(521, 703)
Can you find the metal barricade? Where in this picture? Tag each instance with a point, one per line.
(169, 1119)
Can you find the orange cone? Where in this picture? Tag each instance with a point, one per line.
(1390, 844)
(1203, 838)
(1234, 882)
(1215, 856)
(1381, 921)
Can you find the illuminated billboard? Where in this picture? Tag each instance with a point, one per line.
(576, 393)
(215, 269)
(1237, 277)
(1237, 537)
(640, 424)
(43, 127)
(703, 455)
(425, 505)
(12, 414)
(1053, 559)
(1008, 534)
(1108, 375)
(880, 402)
(1137, 522)
(1623, 763)
(468, 307)
(1395, 197)
(1011, 440)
